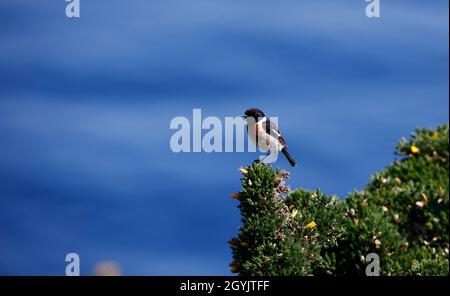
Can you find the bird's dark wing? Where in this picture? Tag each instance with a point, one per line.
(272, 129)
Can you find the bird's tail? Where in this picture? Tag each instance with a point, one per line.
(289, 157)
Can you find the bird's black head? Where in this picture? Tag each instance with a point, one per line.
(254, 113)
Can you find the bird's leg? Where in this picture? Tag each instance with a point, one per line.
(262, 160)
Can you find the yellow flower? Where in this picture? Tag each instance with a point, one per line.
(311, 224)
(235, 195)
(244, 171)
(414, 149)
(435, 135)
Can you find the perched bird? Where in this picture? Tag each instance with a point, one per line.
(265, 134)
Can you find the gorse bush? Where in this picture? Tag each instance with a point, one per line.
(402, 216)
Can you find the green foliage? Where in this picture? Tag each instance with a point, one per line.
(429, 267)
(402, 216)
(266, 242)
